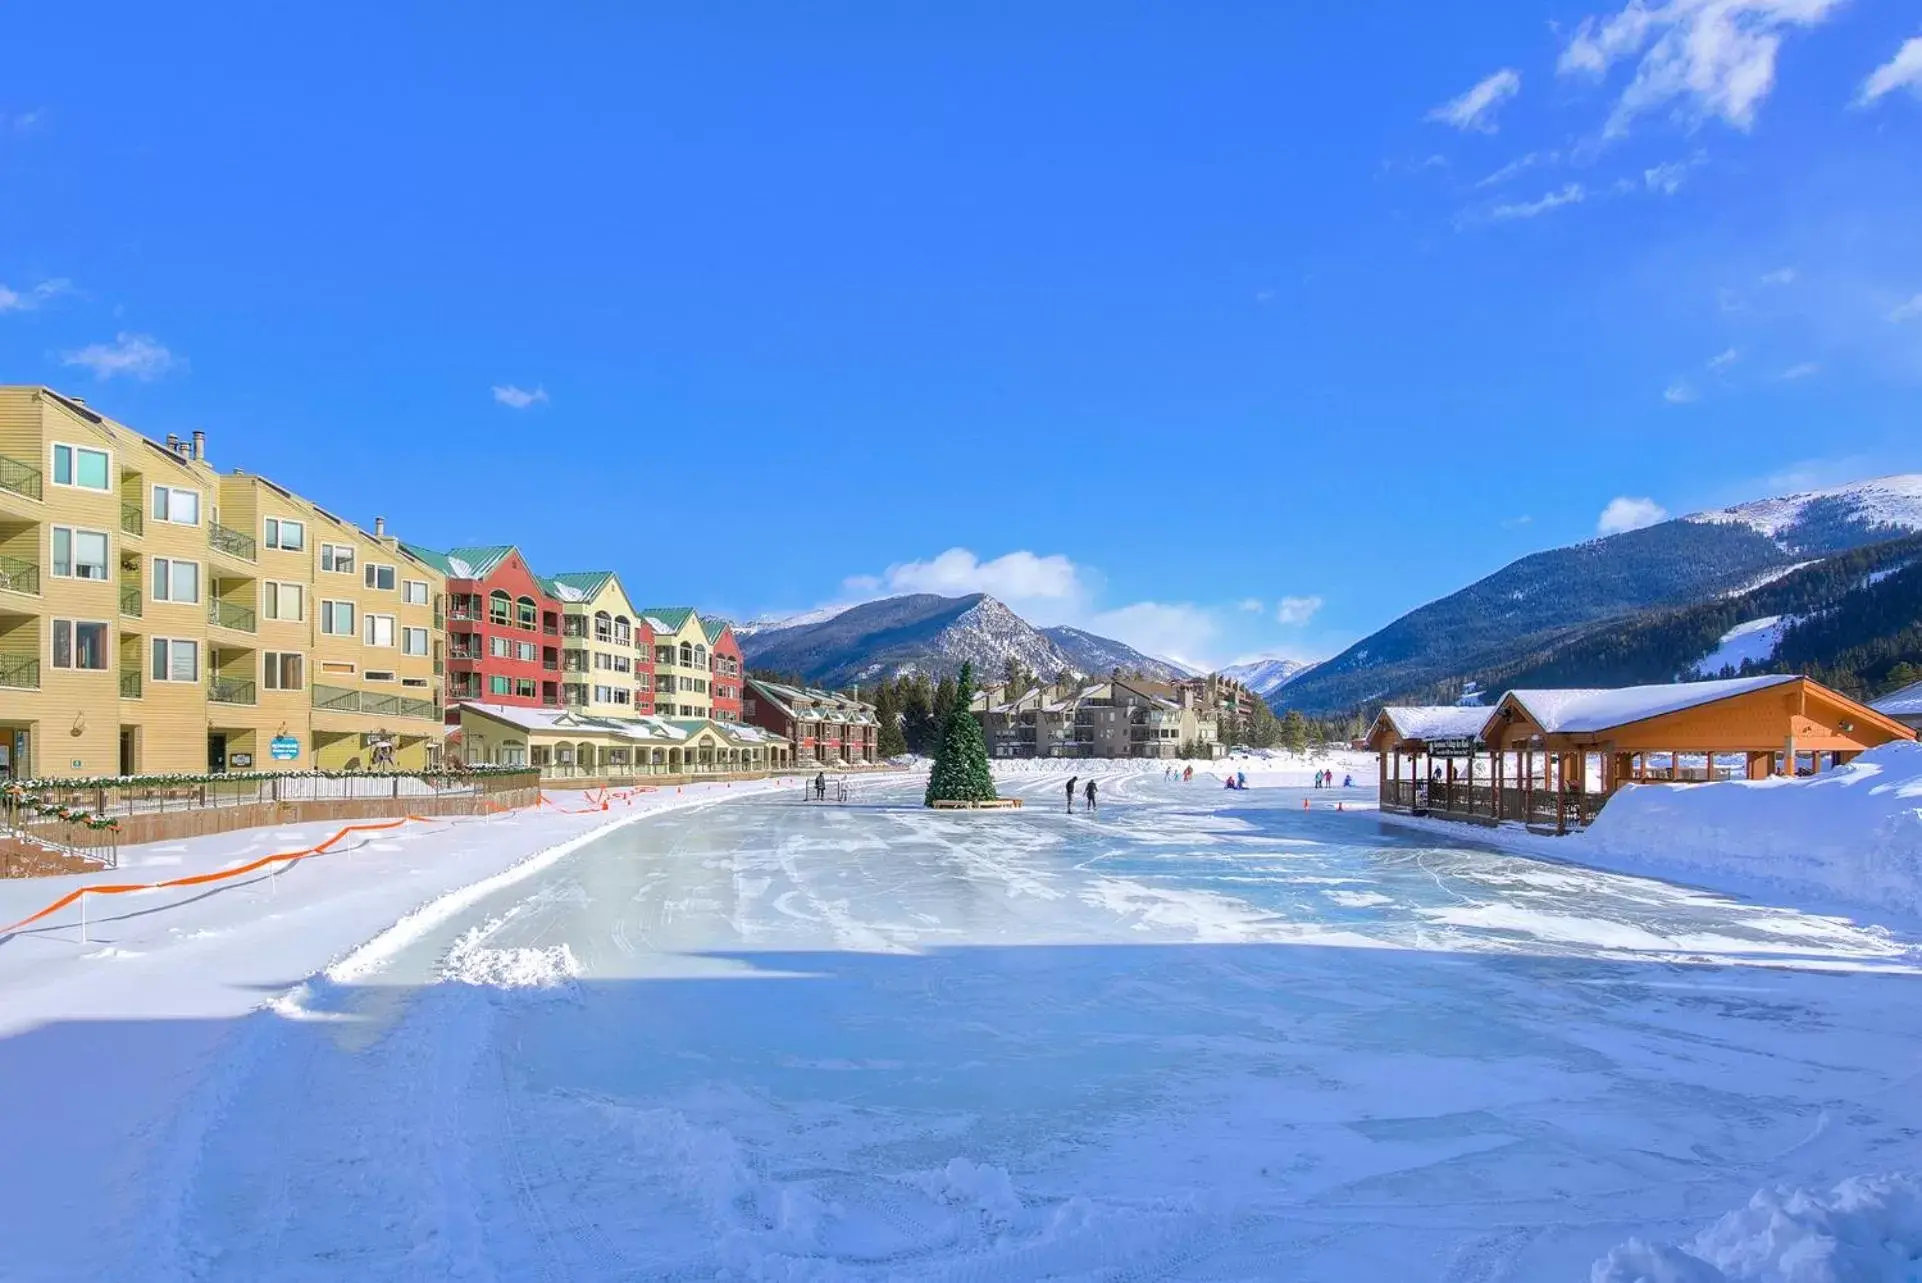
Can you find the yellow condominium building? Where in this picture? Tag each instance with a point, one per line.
(682, 667)
(157, 616)
(603, 648)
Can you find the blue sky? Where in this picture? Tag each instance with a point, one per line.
(1226, 329)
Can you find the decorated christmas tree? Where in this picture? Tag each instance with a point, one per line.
(960, 771)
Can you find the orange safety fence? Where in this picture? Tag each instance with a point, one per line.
(221, 875)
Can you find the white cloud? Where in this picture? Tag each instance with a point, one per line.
(518, 398)
(138, 356)
(1679, 392)
(19, 301)
(1624, 513)
(862, 583)
(1907, 311)
(1904, 71)
(1169, 630)
(1667, 178)
(1803, 370)
(1476, 108)
(1722, 360)
(1515, 523)
(1709, 58)
(1780, 276)
(1015, 576)
(1571, 194)
(1253, 605)
(1297, 610)
(1518, 165)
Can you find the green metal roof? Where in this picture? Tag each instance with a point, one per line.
(714, 627)
(588, 583)
(476, 562)
(437, 560)
(675, 617)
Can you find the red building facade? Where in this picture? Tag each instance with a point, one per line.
(503, 629)
(826, 729)
(728, 669)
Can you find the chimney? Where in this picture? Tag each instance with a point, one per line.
(173, 443)
(380, 527)
(200, 444)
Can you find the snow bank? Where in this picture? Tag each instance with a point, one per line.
(1852, 835)
(1868, 1229)
(471, 962)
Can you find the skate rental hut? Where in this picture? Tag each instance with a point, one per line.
(1428, 757)
(1554, 757)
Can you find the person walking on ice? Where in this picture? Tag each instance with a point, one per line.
(1091, 795)
(1071, 780)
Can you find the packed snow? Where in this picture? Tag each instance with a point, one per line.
(1577, 711)
(1755, 641)
(1194, 1034)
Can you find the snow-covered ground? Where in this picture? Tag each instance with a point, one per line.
(1198, 1034)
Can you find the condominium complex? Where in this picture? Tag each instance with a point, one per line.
(826, 729)
(1119, 717)
(159, 616)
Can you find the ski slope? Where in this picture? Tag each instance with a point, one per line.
(1196, 1035)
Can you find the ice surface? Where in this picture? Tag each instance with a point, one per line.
(783, 1040)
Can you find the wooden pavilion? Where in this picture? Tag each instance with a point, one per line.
(1552, 758)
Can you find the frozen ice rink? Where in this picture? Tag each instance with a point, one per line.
(1200, 1035)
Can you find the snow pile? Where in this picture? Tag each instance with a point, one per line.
(1852, 835)
(982, 1187)
(545, 967)
(1868, 1229)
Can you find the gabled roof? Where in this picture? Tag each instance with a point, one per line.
(1906, 702)
(1587, 711)
(580, 585)
(1436, 721)
(673, 618)
(438, 560)
(478, 562)
(715, 628)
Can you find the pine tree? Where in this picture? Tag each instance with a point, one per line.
(1294, 731)
(961, 771)
(888, 740)
(944, 696)
(917, 715)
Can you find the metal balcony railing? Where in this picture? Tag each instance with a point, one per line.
(130, 600)
(18, 576)
(131, 520)
(230, 690)
(231, 542)
(20, 672)
(19, 478)
(225, 614)
(130, 683)
(339, 699)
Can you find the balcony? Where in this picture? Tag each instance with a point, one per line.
(130, 683)
(225, 614)
(230, 690)
(231, 542)
(131, 520)
(338, 699)
(130, 600)
(18, 478)
(20, 672)
(18, 576)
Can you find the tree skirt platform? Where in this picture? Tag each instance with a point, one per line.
(999, 804)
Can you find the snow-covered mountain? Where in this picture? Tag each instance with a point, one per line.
(1266, 676)
(924, 633)
(1830, 520)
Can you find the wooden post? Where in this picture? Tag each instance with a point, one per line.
(1560, 761)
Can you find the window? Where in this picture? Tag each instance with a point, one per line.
(379, 630)
(413, 681)
(76, 465)
(378, 675)
(175, 660)
(621, 696)
(414, 592)
(603, 694)
(622, 664)
(337, 668)
(337, 557)
(283, 670)
(602, 662)
(337, 618)
(413, 641)
(180, 507)
(284, 601)
(499, 647)
(500, 685)
(644, 683)
(524, 687)
(499, 606)
(176, 581)
(527, 652)
(286, 535)
(665, 683)
(526, 611)
(603, 626)
(664, 654)
(79, 554)
(77, 644)
(378, 576)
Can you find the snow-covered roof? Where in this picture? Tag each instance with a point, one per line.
(1580, 711)
(1901, 704)
(1436, 721)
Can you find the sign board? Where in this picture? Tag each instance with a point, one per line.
(284, 748)
(1455, 746)
(242, 760)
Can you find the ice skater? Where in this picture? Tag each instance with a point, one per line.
(1071, 780)
(1091, 795)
